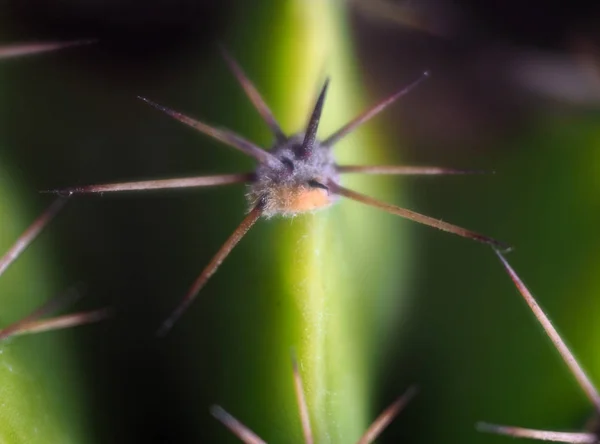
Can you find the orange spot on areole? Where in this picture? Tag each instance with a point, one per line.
(298, 200)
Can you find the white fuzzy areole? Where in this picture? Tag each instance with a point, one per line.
(285, 189)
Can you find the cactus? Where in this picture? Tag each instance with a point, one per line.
(332, 285)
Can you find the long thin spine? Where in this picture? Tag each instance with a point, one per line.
(387, 416)
(50, 306)
(584, 381)
(161, 184)
(302, 404)
(542, 435)
(310, 135)
(397, 170)
(30, 234)
(60, 322)
(222, 135)
(370, 113)
(254, 96)
(246, 435)
(212, 267)
(24, 49)
(416, 217)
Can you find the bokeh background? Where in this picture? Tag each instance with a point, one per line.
(515, 90)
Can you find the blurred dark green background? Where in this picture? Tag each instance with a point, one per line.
(515, 90)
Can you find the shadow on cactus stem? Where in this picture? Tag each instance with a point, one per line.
(582, 379)
(246, 435)
(33, 323)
